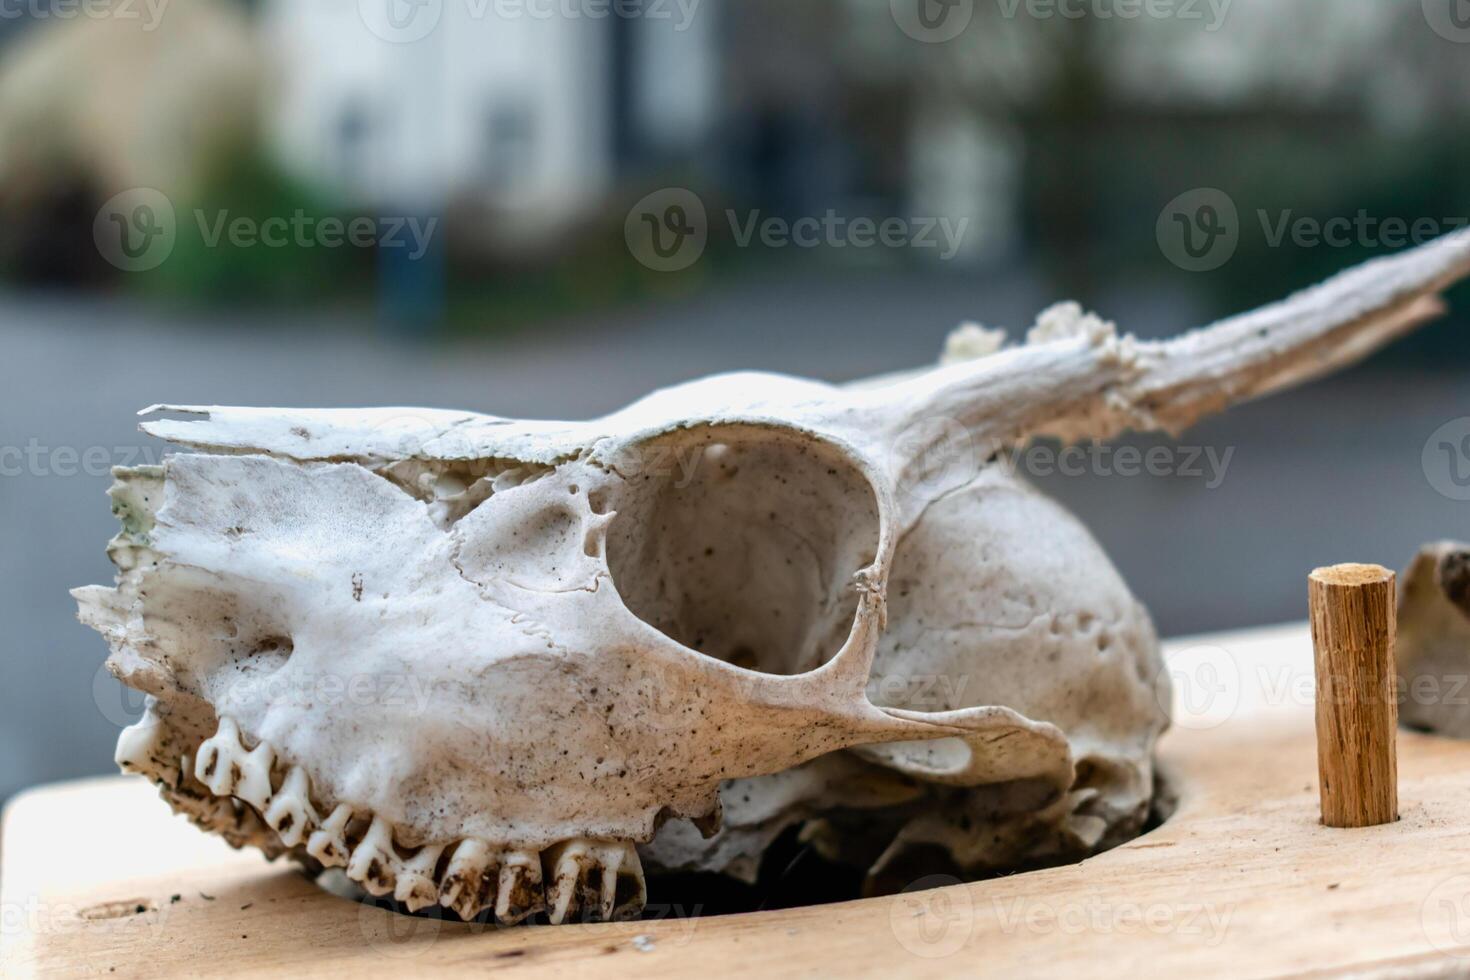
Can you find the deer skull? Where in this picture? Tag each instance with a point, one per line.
(475, 661)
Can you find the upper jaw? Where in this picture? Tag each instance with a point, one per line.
(252, 796)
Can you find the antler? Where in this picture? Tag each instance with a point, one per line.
(1075, 378)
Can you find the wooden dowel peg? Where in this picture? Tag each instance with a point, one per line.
(1353, 622)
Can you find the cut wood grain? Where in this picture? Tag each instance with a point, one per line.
(1352, 614)
(97, 878)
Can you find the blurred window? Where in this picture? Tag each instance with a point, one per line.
(509, 144)
(353, 131)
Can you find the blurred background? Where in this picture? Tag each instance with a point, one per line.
(548, 207)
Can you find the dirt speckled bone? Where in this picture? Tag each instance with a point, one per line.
(486, 656)
(1432, 649)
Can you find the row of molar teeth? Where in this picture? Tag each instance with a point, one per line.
(143, 748)
(593, 878)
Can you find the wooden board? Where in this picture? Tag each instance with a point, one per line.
(97, 878)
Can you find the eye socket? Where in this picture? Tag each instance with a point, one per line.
(741, 542)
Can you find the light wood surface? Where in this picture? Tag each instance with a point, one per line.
(1352, 609)
(97, 879)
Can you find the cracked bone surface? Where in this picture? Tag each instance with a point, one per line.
(483, 662)
(1432, 648)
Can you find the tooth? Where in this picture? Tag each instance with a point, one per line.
(520, 891)
(255, 776)
(585, 875)
(217, 765)
(626, 868)
(245, 827)
(373, 863)
(290, 814)
(609, 893)
(139, 744)
(228, 770)
(329, 844)
(570, 861)
(416, 888)
(467, 880)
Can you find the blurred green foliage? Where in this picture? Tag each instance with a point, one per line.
(209, 267)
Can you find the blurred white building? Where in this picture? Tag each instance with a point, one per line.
(527, 108)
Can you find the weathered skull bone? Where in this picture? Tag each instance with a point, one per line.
(997, 595)
(462, 656)
(1433, 642)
